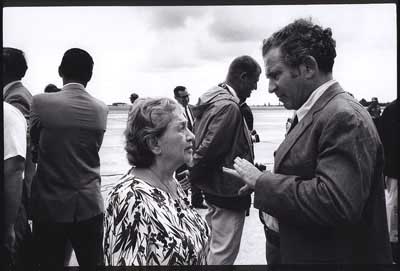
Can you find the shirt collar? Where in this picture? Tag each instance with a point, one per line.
(231, 90)
(72, 84)
(303, 110)
(9, 85)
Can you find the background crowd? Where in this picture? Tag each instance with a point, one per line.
(330, 198)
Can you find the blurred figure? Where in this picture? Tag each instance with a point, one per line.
(16, 94)
(221, 135)
(67, 129)
(147, 209)
(326, 190)
(389, 127)
(50, 88)
(14, 132)
(133, 97)
(374, 108)
(182, 173)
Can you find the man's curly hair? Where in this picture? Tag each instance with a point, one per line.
(300, 39)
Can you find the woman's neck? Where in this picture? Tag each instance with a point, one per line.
(161, 171)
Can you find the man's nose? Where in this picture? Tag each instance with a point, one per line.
(271, 86)
(190, 135)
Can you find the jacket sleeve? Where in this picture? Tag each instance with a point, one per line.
(219, 134)
(345, 163)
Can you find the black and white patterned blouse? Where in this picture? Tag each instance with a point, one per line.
(145, 226)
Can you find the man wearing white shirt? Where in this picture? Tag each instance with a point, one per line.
(182, 96)
(16, 94)
(326, 191)
(15, 128)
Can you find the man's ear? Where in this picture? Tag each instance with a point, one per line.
(243, 76)
(60, 72)
(309, 67)
(154, 145)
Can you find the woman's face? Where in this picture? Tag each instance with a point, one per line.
(177, 142)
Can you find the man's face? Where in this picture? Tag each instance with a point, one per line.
(183, 98)
(286, 82)
(248, 84)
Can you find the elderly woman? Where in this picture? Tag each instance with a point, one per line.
(149, 220)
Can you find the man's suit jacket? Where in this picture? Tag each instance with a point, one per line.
(67, 127)
(327, 189)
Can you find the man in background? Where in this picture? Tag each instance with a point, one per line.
(14, 132)
(67, 129)
(389, 129)
(221, 135)
(51, 88)
(16, 94)
(182, 96)
(133, 97)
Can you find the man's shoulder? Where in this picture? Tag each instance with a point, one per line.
(12, 112)
(18, 91)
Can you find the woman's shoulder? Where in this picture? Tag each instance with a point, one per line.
(129, 184)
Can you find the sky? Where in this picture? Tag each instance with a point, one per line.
(150, 50)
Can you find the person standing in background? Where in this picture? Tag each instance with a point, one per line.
(221, 134)
(182, 173)
(51, 88)
(16, 94)
(389, 127)
(14, 132)
(67, 129)
(133, 97)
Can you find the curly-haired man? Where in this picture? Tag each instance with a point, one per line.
(326, 191)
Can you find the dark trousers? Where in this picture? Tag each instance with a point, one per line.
(197, 196)
(86, 238)
(272, 246)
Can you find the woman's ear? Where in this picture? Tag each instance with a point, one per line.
(154, 145)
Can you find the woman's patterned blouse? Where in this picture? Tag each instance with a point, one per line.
(145, 226)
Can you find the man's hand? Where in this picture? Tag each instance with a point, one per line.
(247, 171)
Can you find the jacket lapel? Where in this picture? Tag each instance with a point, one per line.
(306, 122)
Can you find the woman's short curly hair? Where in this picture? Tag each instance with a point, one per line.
(300, 39)
(147, 120)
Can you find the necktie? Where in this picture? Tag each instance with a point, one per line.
(189, 119)
(294, 123)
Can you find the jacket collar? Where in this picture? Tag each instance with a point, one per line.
(301, 127)
(11, 85)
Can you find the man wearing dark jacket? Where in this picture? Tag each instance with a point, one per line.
(326, 191)
(221, 135)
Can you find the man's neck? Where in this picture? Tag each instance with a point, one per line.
(322, 79)
(68, 81)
